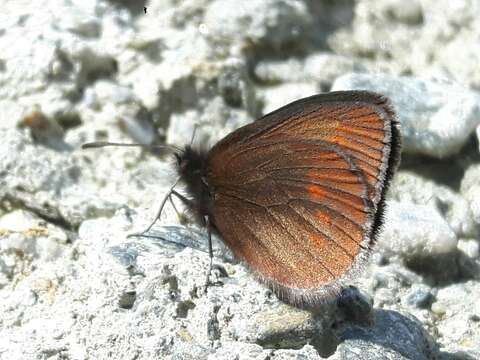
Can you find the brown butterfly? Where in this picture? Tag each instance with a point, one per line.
(298, 195)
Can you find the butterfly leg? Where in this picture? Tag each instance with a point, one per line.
(210, 251)
(186, 201)
(159, 212)
(179, 216)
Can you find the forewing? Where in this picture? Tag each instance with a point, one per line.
(300, 217)
(361, 123)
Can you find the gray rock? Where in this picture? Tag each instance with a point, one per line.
(459, 326)
(470, 189)
(428, 235)
(394, 336)
(281, 327)
(33, 179)
(308, 352)
(51, 67)
(436, 118)
(264, 23)
(321, 68)
(445, 33)
(409, 12)
(409, 187)
(420, 297)
(242, 350)
(389, 285)
(470, 247)
(212, 124)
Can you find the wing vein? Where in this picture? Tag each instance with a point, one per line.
(324, 234)
(332, 210)
(295, 241)
(333, 190)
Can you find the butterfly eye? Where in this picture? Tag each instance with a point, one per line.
(183, 163)
(178, 158)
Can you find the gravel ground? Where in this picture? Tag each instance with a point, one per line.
(73, 286)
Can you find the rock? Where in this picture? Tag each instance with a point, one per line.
(436, 118)
(408, 13)
(410, 187)
(211, 125)
(106, 92)
(281, 327)
(428, 235)
(43, 129)
(321, 68)
(394, 336)
(470, 248)
(420, 297)
(278, 96)
(272, 24)
(308, 352)
(355, 307)
(470, 189)
(390, 284)
(34, 177)
(458, 325)
(445, 36)
(240, 349)
(30, 236)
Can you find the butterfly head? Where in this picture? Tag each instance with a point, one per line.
(192, 168)
(190, 162)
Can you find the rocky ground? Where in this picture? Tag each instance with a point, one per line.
(73, 286)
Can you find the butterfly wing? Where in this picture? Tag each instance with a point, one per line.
(296, 193)
(361, 123)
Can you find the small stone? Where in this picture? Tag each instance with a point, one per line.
(127, 300)
(470, 247)
(356, 307)
(420, 297)
(438, 309)
(283, 327)
(470, 189)
(408, 12)
(46, 130)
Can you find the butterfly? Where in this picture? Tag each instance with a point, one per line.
(299, 194)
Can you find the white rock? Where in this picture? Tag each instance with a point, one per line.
(262, 21)
(410, 187)
(416, 231)
(32, 236)
(470, 189)
(277, 96)
(459, 329)
(445, 35)
(321, 68)
(470, 247)
(214, 123)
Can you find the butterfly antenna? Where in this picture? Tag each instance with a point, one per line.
(195, 126)
(100, 144)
